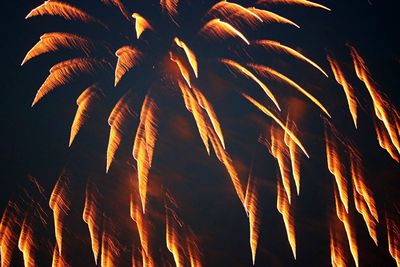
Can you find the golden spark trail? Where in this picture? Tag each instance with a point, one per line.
(207, 135)
(193, 251)
(8, 234)
(116, 121)
(109, 247)
(348, 90)
(277, 75)
(384, 140)
(362, 208)
(283, 207)
(92, 217)
(226, 9)
(250, 75)
(294, 2)
(251, 204)
(141, 24)
(60, 205)
(383, 110)
(279, 152)
(172, 238)
(171, 6)
(221, 29)
(64, 10)
(294, 155)
(206, 105)
(290, 51)
(189, 54)
(268, 16)
(26, 243)
(344, 218)
(85, 102)
(58, 260)
(184, 72)
(56, 41)
(279, 122)
(337, 254)
(393, 234)
(142, 226)
(335, 167)
(128, 58)
(64, 72)
(144, 144)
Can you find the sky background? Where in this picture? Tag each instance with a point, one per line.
(35, 140)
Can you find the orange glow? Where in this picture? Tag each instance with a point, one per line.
(384, 141)
(141, 24)
(171, 6)
(227, 9)
(8, 234)
(58, 260)
(251, 76)
(283, 207)
(277, 75)
(221, 29)
(189, 54)
(144, 144)
(268, 16)
(128, 58)
(348, 90)
(142, 226)
(60, 204)
(172, 238)
(184, 72)
(109, 247)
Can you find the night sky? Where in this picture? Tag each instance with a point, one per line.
(35, 140)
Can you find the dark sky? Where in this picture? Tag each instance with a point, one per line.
(35, 140)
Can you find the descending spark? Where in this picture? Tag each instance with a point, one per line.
(250, 75)
(128, 58)
(384, 140)
(142, 226)
(189, 54)
(268, 16)
(280, 153)
(193, 251)
(120, 113)
(278, 121)
(109, 246)
(184, 72)
(8, 234)
(383, 110)
(58, 260)
(206, 105)
(393, 234)
(344, 218)
(26, 243)
(56, 41)
(294, 2)
(336, 168)
(65, 72)
(85, 103)
(64, 10)
(143, 147)
(277, 75)
(348, 90)
(194, 106)
(337, 254)
(171, 6)
(290, 51)
(283, 207)
(221, 29)
(227, 9)
(60, 204)
(141, 24)
(172, 238)
(92, 217)
(119, 5)
(294, 155)
(251, 204)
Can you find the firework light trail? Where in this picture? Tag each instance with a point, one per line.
(173, 56)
